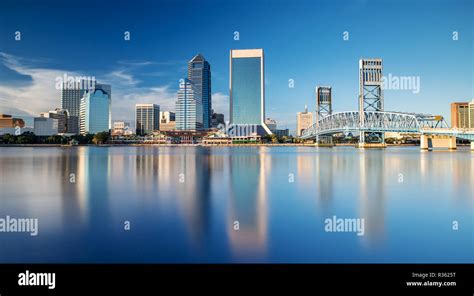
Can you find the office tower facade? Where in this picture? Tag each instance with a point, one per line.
(370, 95)
(247, 88)
(71, 96)
(460, 115)
(471, 114)
(107, 89)
(8, 121)
(199, 73)
(189, 107)
(62, 116)
(44, 126)
(94, 115)
(303, 121)
(147, 118)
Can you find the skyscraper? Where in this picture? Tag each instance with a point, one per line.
(71, 97)
(188, 107)
(303, 121)
(247, 88)
(460, 115)
(471, 114)
(199, 73)
(72, 93)
(95, 112)
(147, 118)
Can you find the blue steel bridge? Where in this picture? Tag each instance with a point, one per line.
(382, 122)
(371, 121)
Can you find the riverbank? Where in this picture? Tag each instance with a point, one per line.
(207, 145)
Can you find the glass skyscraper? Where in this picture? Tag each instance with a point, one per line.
(95, 112)
(71, 101)
(189, 107)
(199, 73)
(147, 118)
(247, 88)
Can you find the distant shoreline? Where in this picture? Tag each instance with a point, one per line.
(198, 145)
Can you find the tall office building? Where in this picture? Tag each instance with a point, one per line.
(199, 73)
(303, 121)
(471, 114)
(247, 88)
(147, 118)
(95, 111)
(460, 115)
(71, 96)
(189, 107)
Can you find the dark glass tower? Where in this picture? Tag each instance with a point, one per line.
(199, 73)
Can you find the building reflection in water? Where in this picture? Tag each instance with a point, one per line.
(93, 181)
(372, 195)
(194, 194)
(73, 179)
(248, 204)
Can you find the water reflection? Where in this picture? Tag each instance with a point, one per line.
(372, 194)
(183, 202)
(248, 204)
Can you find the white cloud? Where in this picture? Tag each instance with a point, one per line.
(37, 96)
(40, 94)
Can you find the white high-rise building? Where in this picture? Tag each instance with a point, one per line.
(188, 107)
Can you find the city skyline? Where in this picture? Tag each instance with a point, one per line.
(147, 68)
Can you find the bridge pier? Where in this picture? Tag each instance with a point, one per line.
(371, 145)
(324, 141)
(428, 142)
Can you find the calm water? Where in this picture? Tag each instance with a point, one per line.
(182, 203)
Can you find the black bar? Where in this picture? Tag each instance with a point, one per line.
(166, 279)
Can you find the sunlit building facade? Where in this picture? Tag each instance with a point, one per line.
(247, 88)
(95, 112)
(147, 118)
(189, 108)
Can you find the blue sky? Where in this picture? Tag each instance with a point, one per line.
(302, 40)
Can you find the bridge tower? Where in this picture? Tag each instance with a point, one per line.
(370, 99)
(323, 109)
